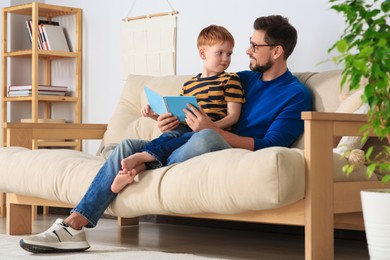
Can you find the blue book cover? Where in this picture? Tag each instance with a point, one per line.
(172, 104)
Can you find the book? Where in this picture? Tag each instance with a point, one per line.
(40, 87)
(26, 93)
(54, 37)
(40, 36)
(29, 26)
(169, 104)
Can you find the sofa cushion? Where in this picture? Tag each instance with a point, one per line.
(350, 102)
(325, 87)
(54, 174)
(215, 183)
(212, 182)
(348, 143)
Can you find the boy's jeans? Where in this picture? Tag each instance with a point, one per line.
(163, 146)
(99, 195)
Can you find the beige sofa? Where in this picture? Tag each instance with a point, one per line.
(303, 185)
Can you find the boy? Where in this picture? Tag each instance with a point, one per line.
(218, 93)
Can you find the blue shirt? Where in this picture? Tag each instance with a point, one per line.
(272, 112)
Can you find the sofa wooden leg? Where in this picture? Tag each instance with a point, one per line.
(127, 221)
(19, 219)
(34, 212)
(2, 205)
(45, 210)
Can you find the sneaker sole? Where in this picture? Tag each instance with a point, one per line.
(45, 249)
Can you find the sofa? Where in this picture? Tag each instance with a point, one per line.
(301, 185)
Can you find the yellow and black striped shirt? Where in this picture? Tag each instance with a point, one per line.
(213, 93)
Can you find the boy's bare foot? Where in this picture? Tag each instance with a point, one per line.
(135, 160)
(131, 166)
(123, 179)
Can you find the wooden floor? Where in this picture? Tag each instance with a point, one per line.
(251, 241)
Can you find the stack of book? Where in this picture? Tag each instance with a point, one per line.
(26, 90)
(51, 35)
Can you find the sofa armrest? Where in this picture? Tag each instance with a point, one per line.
(320, 130)
(27, 134)
(343, 123)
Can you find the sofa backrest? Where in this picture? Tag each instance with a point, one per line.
(127, 122)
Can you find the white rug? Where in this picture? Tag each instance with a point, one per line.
(10, 249)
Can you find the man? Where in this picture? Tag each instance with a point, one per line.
(270, 117)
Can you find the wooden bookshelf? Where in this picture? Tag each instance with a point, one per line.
(40, 11)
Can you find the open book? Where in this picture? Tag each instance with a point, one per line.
(169, 104)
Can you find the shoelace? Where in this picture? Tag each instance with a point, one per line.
(53, 227)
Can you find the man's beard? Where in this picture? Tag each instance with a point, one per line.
(262, 68)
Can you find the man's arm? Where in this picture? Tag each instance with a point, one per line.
(236, 141)
(198, 120)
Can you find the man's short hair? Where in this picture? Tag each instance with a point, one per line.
(278, 31)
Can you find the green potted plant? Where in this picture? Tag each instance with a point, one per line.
(364, 53)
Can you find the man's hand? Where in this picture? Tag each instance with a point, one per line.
(197, 119)
(167, 122)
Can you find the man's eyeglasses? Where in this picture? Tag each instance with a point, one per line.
(254, 45)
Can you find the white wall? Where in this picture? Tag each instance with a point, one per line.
(318, 28)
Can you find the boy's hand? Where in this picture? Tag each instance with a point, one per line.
(146, 111)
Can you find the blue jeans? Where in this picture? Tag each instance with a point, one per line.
(163, 146)
(99, 194)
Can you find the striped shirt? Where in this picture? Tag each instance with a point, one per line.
(213, 93)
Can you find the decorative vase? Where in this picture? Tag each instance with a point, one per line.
(376, 212)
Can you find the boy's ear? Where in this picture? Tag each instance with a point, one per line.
(202, 54)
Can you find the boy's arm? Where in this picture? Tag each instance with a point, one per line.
(233, 114)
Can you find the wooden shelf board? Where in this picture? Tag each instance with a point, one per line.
(42, 98)
(45, 10)
(42, 54)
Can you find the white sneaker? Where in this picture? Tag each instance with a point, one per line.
(58, 238)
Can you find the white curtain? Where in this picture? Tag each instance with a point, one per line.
(149, 46)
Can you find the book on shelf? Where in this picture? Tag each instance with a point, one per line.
(40, 87)
(50, 38)
(29, 26)
(172, 104)
(42, 37)
(26, 93)
(54, 37)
